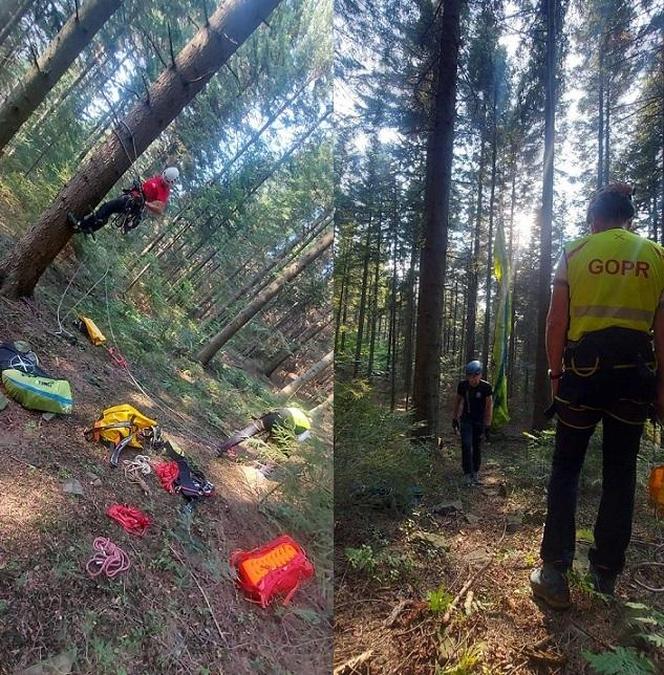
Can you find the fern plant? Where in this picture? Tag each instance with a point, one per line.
(647, 623)
(620, 661)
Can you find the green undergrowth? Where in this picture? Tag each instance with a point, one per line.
(376, 465)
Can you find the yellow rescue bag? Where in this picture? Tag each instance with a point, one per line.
(89, 327)
(119, 422)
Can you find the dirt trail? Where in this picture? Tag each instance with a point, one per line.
(486, 540)
(154, 618)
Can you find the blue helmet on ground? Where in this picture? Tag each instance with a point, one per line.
(474, 368)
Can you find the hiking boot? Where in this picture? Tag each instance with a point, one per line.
(550, 585)
(468, 480)
(476, 479)
(603, 581)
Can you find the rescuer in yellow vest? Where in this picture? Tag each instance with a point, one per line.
(604, 316)
(289, 420)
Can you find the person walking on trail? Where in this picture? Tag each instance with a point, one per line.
(606, 308)
(292, 421)
(473, 411)
(152, 195)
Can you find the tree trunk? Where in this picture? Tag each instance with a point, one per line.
(409, 325)
(11, 13)
(327, 403)
(541, 392)
(600, 118)
(436, 213)
(489, 245)
(342, 279)
(607, 132)
(259, 302)
(309, 334)
(374, 303)
(474, 263)
(363, 301)
(177, 85)
(309, 375)
(49, 67)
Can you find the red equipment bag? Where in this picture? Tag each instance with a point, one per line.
(277, 568)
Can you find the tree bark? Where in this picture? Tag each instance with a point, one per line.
(309, 375)
(409, 325)
(229, 26)
(10, 14)
(541, 393)
(269, 292)
(436, 213)
(374, 303)
(474, 262)
(489, 244)
(600, 118)
(49, 67)
(363, 301)
(309, 334)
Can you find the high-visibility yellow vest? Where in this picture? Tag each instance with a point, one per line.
(300, 420)
(615, 279)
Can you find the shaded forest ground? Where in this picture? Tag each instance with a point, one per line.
(398, 572)
(155, 617)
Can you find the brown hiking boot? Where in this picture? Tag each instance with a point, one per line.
(550, 585)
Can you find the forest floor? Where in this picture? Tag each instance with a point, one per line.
(445, 587)
(154, 618)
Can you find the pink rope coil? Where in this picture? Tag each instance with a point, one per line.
(109, 558)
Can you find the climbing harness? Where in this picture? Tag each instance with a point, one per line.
(117, 357)
(109, 559)
(132, 519)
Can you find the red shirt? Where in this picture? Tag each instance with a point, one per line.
(156, 189)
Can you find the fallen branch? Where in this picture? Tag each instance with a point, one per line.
(351, 666)
(222, 635)
(469, 583)
(394, 614)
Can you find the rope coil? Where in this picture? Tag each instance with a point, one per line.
(135, 468)
(109, 559)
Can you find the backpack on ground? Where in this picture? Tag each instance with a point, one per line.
(35, 392)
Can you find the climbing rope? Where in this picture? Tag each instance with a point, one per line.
(158, 403)
(109, 559)
(135, 468)
(60, 319)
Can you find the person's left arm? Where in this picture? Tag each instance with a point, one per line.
(488, 411)
(156, 207)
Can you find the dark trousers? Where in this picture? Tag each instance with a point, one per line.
(97, 219)
(613, 527)
(471, 445)
(253, 429)
(263, 424)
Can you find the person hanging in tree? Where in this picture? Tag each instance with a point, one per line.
(291, 421)
(605, 310)
(473, 412)
(152, 195)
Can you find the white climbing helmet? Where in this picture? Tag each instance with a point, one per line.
(171, 175)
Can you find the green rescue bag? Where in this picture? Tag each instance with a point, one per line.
(38, 393)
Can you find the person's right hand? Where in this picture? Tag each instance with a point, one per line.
(455, 424)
